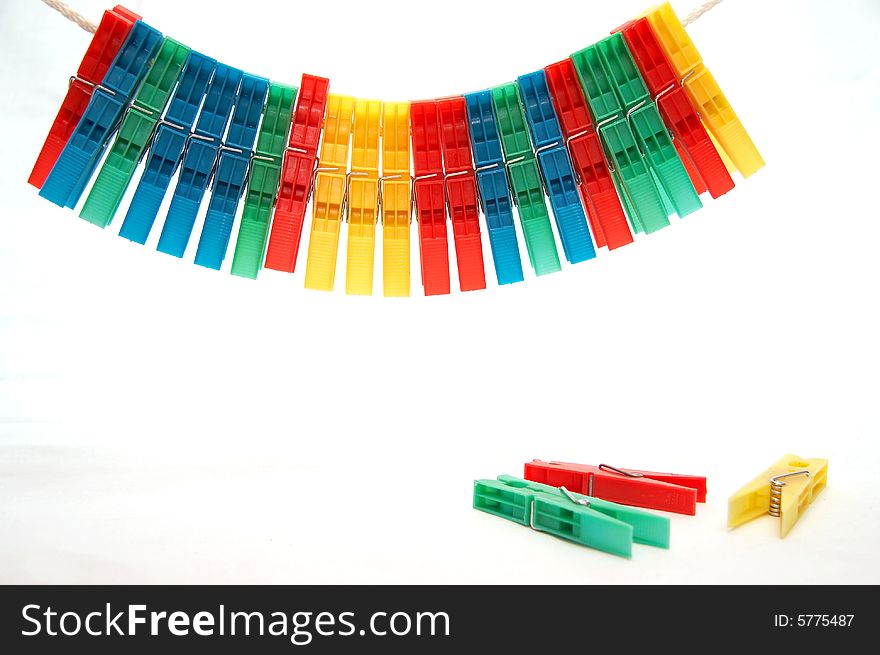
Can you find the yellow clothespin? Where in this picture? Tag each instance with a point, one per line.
(330, 184)
(396, 198)
(363, 197)
(784, 490)
(716, 112)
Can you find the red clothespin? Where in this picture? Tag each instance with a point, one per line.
(604, 210)
(663, 491)
(429, 193)
(698, 153)
(297, 173)
(111, 33)
(461, 192)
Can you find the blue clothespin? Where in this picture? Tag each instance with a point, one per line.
(167, 149)
(555, 165)
(81, 155)
(199, 157)
(232, 170)
(493, 186)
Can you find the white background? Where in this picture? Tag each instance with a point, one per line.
(160, 422)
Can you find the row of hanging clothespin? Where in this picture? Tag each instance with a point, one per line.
(618, 137)
(592, 505)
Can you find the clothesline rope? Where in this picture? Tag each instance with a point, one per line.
(75, 17)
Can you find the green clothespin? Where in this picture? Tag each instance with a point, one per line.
(135, 133)
(592, 522)
(264, 176)
(634, 181)
(525, 179)
(653, 137)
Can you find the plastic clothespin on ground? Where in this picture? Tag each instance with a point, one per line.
(784, 490)
(668, 492)
(591, 522)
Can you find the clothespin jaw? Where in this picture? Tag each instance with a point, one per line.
(199, 158)
(112, 31)
(263, 179)
(591, 522)
(661, 491)
(702, 89)
(525, 179)
(231, 172)
(362, 206)
(785, 490)
(429, 192)
(297, 174)
(395, 194)
(135, 134)
(331, 183)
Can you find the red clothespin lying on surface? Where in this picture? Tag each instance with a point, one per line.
(662, 491)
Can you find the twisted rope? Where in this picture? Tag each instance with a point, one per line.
(74, 16)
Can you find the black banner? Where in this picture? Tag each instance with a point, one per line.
(335, 619)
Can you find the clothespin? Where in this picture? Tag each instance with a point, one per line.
(430, 197)
(297, 174)
(461, 193)
(199, 159)
(704, 92)
(664, 491)
(114, 27)
(525, 179)
(705, 166)
(331, 183)
(167, 148)
(231, 171)
(263, 179)
(591, 522)
(395, 198)
(555, 166)
(630, 171)
(494, 188)
(784, 490)
(76, 163)
(135, 133)
(604, 210)
(654, 140)
(363, 197)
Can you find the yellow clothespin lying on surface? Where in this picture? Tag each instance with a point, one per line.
(363, 197)
(784, 490)
(331, 181)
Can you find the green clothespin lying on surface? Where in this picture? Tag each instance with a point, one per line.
(588, 521)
